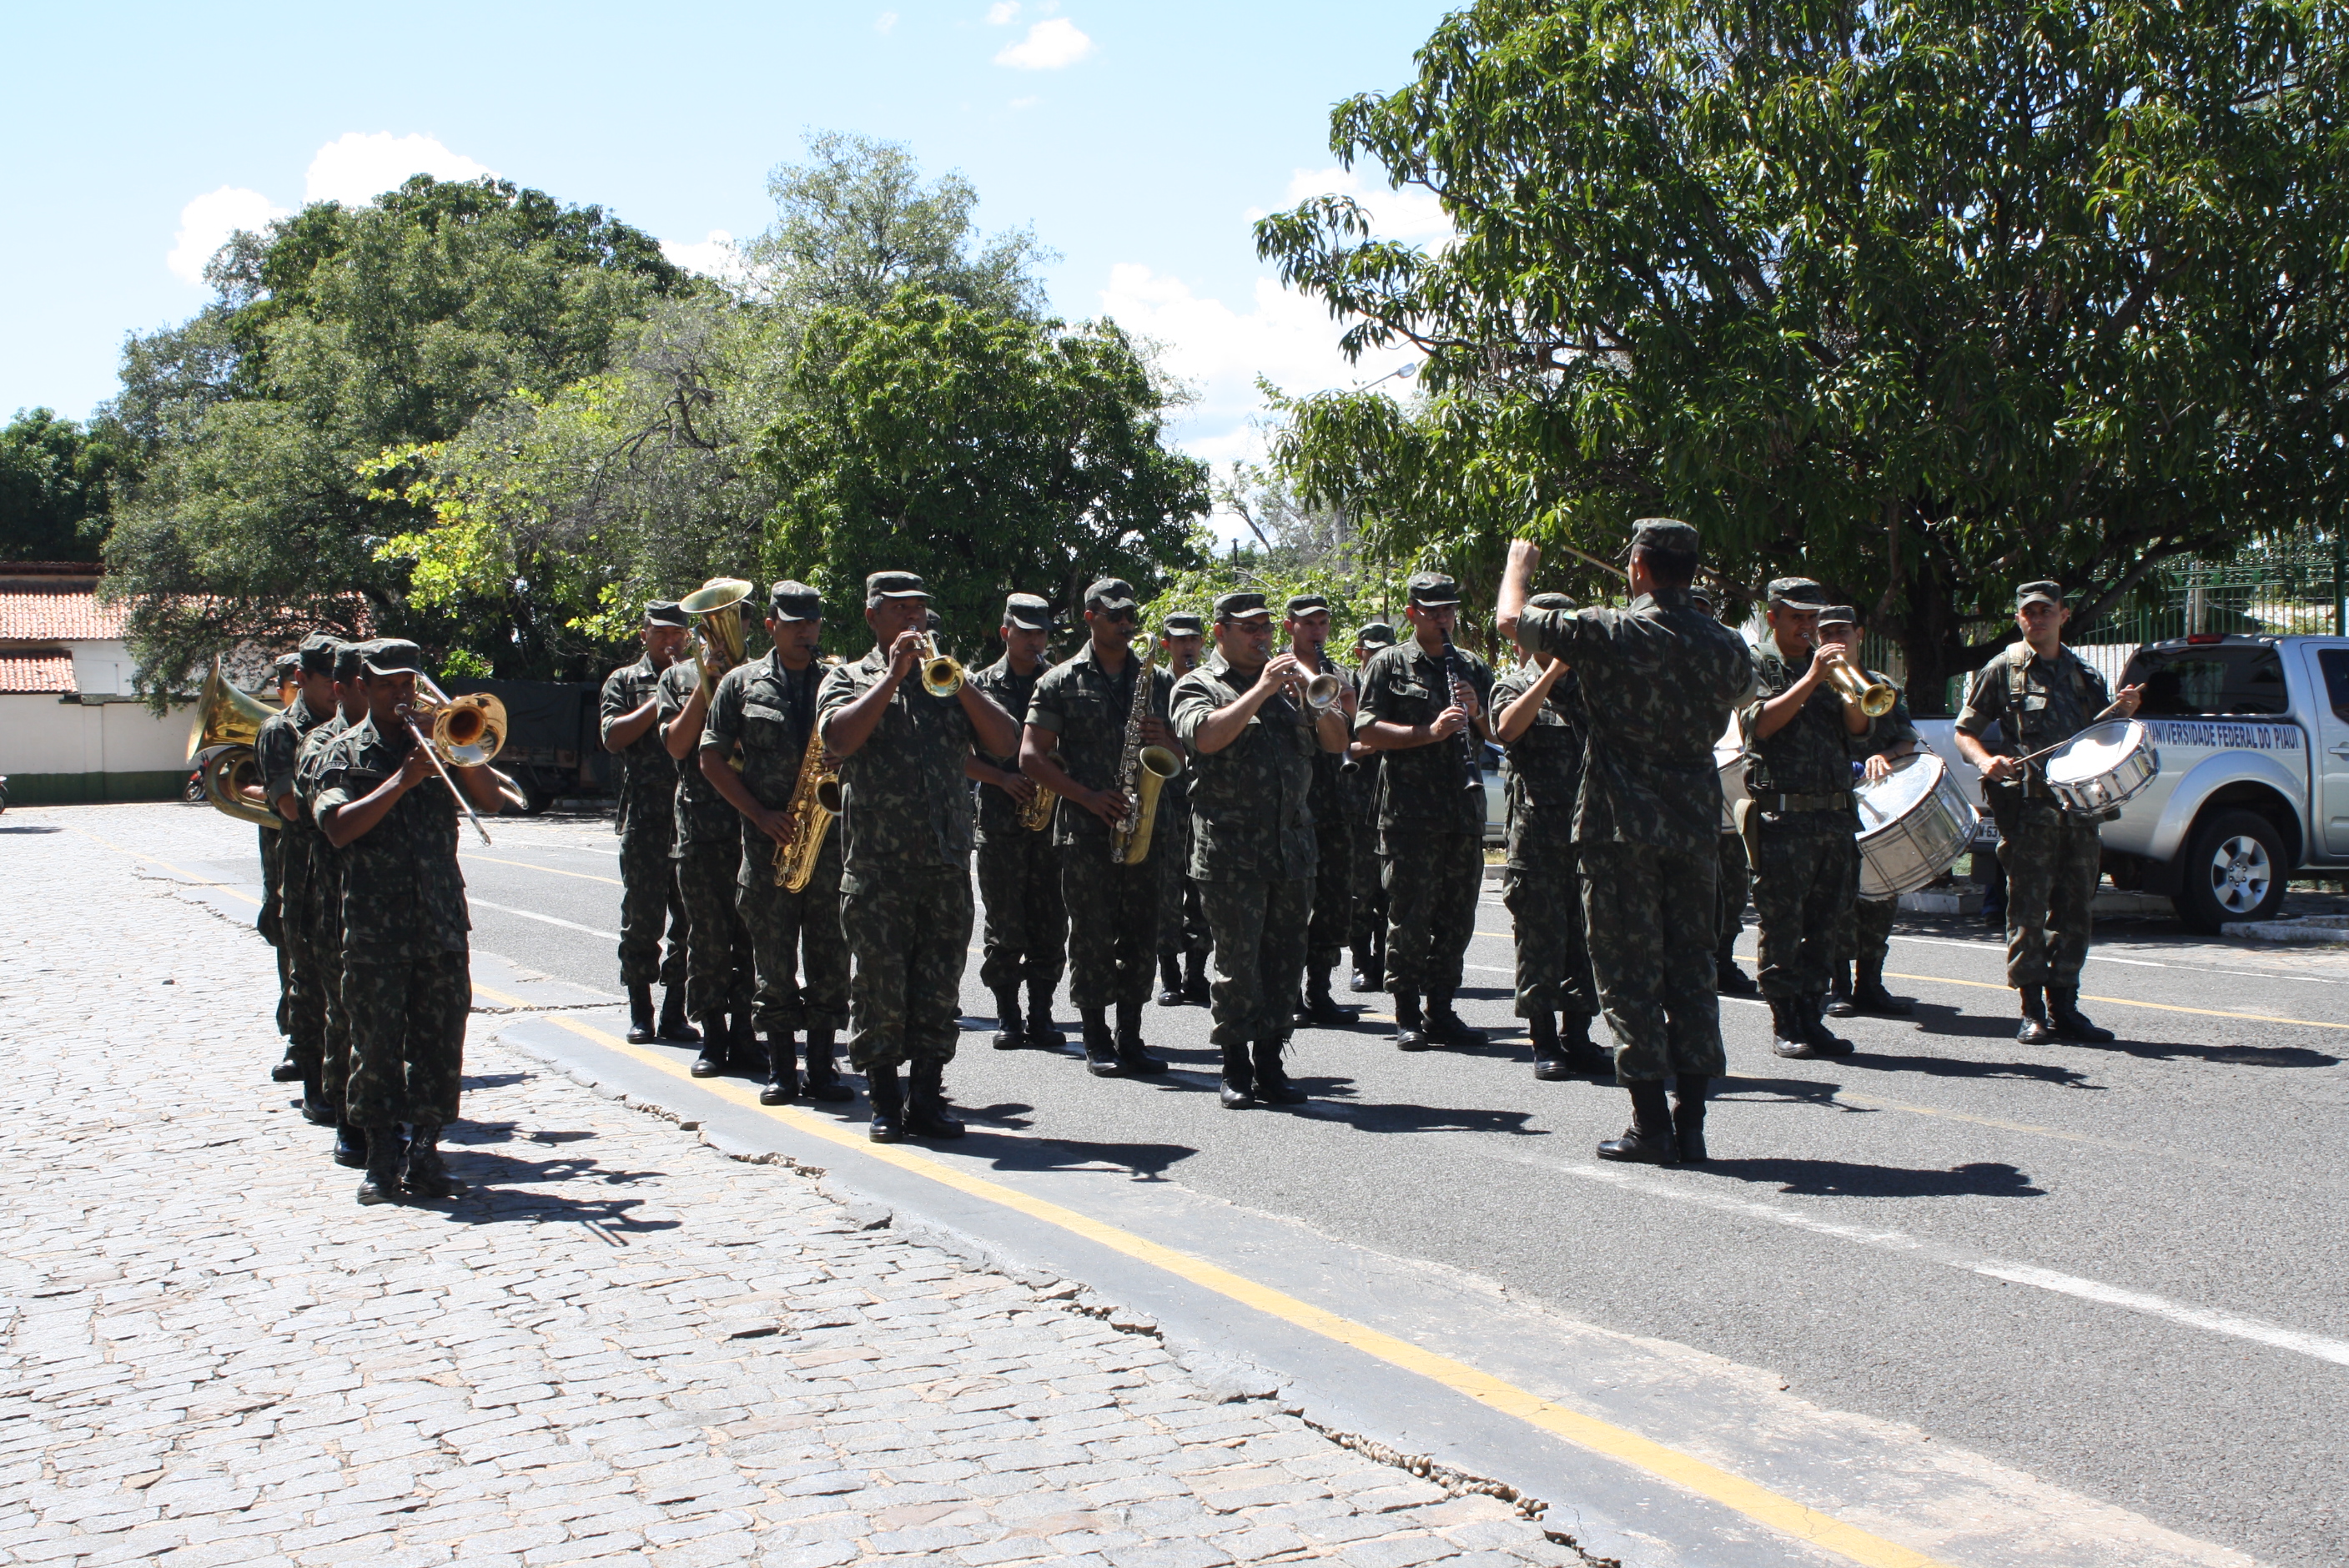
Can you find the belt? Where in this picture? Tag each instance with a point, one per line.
(1840, 800)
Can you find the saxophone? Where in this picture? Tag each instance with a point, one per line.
(1036, 813)
(1141, 773)
(815, 802)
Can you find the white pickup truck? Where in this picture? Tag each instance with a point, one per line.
(2254, 787)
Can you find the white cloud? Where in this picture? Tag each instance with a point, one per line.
(358, 166)
(1000, 14)
(716, 257)
(206, 222)
(1410, 213)
(1048, 46)
(884, 22)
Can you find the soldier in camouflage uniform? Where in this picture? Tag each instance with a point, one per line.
(1184, 939)
(1026, 937)
(406, 978)
(1735, 877)
(1431, 809)
(765, 710)
(326, 897)
(1658, 680)
(1080, 710)
(2040, 694)
(1306, 623)
(1243, 716)
(285, 674)
(1799, 735)
(305, 960)
(1357, 794)
(1537, 708)
(719, 972)
(1864, 932)
(905, 885)
(647, 823)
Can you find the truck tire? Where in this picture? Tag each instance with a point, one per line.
(535, 795)
(2233, 869)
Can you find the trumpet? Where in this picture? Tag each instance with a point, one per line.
(716, 607)
(1874, 698)
(466, 731)
(221, 745)
(1320, 693)
(941, 677)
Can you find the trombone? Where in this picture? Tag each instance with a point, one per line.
(717, 607)
(465, 730)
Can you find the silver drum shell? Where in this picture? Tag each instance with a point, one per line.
(1909, 851)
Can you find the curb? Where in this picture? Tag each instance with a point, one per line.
(2315, 928)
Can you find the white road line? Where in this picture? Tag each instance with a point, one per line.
(2211, 1321)
(546, 919)
(1998, 951)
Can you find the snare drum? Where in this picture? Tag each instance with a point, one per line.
(1914, 823)
(2103, 765)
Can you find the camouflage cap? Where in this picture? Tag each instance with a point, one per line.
(2039, 594)
(1550, 602)
(317, 654)
(285, 666)
(1432, 590)
(665, 612)
(1184, 623)
(350, 660)
(1838, 615)
(1110, 594)
(1797, 593)
(393, 656)
(1375, 634)
(1240, 606)
(1669, 534)
(1306, 604)
(883, 585)
(792, 601)
(1028, 612)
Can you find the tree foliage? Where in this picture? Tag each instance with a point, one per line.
(1919, 297)
(989, 452)
(56, 488)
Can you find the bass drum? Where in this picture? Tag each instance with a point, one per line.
(1729, 760)
(1914, 823)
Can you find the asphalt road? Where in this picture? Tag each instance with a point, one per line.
(2119, 1269)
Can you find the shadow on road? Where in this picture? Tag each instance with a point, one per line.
(29, 828)
(1957, 1066)
(1389, 1117)
(1143, 1161)
(1839, 1179)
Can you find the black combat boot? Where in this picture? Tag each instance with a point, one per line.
(1870, 996)
(783, 1085)
(1169, 979)
(925, 1107)
(1131, 1056)
(1839, 1003)
(673, 1028)
(314, 1109)
(2070, 1023)
(1549, 1057)
(1788, 1036)
(289, 1067)
(1688, 1115)
(2036, 1029)
(1239, 1078)
(426, 1177)
(1272, 1085)
(1194, 979)
(887, 1094)
(386, 1151)
(1042, 1033)
(1366, 976)
(1824, 1040)
(1411, 1024)
(1649, 1139)
(1011, 1034)
(1729, 980)
(350, 1146)
(1320, 1009)
(640, 1015)
(1582, 1054)
(711, 1061)
(823, 1078)
(1101, 1045)
(1447, 1028)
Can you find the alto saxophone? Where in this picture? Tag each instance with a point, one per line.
(1141, 773)
(1036, 811)
(815, 802)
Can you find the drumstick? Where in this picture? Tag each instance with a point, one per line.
(2069, 738)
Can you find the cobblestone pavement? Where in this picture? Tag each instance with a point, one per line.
(623, 1348)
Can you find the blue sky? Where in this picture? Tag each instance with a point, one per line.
(1139, 141)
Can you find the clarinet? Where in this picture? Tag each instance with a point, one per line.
(1456, 673)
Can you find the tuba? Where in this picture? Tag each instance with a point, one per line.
(228, 723)
(716, 605)
(1141, 773)
(815, 802)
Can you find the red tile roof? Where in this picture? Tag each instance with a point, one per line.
(36, 670)
(49, 616)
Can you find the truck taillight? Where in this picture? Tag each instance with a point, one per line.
(2199, 638)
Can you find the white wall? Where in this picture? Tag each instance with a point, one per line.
(38, 733)
(101, 669)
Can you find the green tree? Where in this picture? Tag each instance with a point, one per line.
(338, 334)
(56, 488)
(988, 452)
(1919, 297)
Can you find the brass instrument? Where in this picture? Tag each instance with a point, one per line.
(716, 605)
(941, 677)
(228, 723)
(1141, 773)
(1036, 811)
(1874, 698)
(464, 730)
(1320, 693)
(815, 802)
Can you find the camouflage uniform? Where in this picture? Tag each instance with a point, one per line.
(1253, 849)
(1182, 916)
(405, 980)
(326, 910)
(1112, 908)
(1541, 887)
(1358, 797)
(1333, 839)
(1734, 885)
(1659, 679)
(1431, 821)
(1027, 934)
(304, 961)
(647, 823)
(1865, 933)
(2051, 857)
(904, 901)
(801, 955)
(1807, 864)
(710, 847)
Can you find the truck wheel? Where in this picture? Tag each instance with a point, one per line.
(2233, 869)
(535, 797)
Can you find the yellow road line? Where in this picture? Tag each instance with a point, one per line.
(1731, 1491)
(184, 876)
(2126, 1002)
(550, 871)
